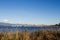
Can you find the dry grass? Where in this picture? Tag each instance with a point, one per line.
(26, 35)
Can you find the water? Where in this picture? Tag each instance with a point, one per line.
(3, 29)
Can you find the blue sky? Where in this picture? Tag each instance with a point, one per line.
(30, 11)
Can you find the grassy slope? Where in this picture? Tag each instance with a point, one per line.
(26, 35)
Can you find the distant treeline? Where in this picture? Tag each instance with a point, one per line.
(57, 24)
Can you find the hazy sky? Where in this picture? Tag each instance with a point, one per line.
(30, 11)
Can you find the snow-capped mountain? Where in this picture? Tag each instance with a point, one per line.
(16, 25)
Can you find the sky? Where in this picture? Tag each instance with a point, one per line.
(30, 11)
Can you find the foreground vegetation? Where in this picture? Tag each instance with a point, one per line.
(26, 35)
